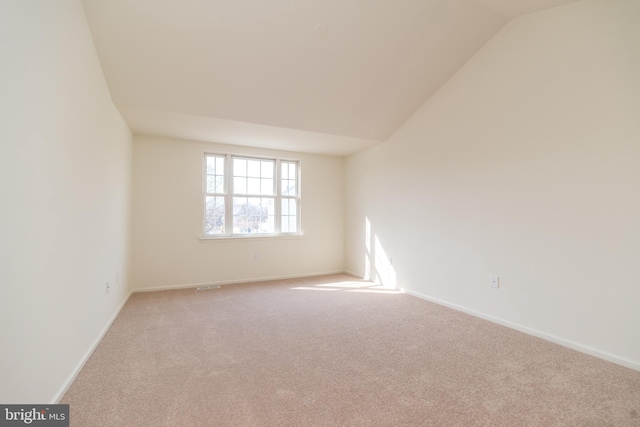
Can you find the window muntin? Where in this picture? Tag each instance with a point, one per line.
(248, 196)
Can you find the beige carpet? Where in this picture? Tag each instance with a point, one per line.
(335, 351)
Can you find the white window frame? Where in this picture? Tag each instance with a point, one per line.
(229, 195)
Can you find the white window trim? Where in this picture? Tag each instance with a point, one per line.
(228, 198)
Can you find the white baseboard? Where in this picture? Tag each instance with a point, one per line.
(87, 355)
(232, 282)
(351, 273)
(548, 337)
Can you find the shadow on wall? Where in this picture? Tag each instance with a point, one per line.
(381, 271)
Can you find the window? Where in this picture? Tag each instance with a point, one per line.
(247, 196)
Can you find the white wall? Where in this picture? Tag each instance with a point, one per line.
(167, 220)
(65, 158)
(526, 164)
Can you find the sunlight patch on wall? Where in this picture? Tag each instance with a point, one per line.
(367, 251)
(381, 271)
(385, 273)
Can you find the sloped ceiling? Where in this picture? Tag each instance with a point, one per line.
(324, 76)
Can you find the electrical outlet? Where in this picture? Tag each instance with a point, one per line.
(494, 282)
(107, 287)
(256, 257)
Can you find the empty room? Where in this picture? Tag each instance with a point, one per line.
(320, 212)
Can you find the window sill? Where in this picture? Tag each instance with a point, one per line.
(238, 238)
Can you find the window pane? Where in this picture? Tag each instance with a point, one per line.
(214, 215)
(211, 164)
(269, 226)
(239, 206)
(239, 185)
(253, 185)
(214, 174)
(219, 185)
(215, 165)
(288, 181)
(253, 202)
(289, 216)
(253, 215)
(286, 225)
(267, 170)
(288, 187)
(254, 168)
(239, 167)
(215, 184)
(211, 180)
(266, 187)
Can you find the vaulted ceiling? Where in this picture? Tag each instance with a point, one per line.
(324, 76)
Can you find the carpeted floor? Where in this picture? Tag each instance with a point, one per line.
(335, 351)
